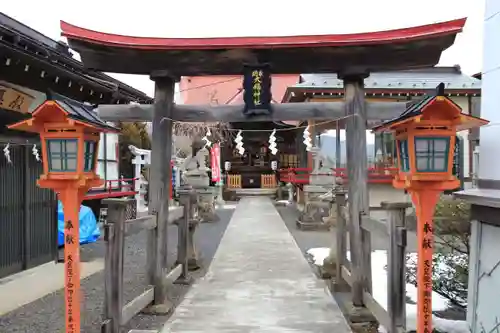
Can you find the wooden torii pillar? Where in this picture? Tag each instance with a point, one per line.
(357, 172)
(160, 180)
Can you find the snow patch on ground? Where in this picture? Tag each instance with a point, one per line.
(227, 206)
(318, 255)
(379, 278)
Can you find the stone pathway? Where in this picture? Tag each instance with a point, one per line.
(259, 281)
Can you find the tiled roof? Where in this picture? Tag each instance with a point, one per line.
(415, 107)
(44, 51)
(418, 79)
(81, 112)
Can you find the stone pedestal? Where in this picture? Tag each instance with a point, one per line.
(219, 200)
(316, 209)
(331, 219)
(206, 204)
(193, 256)
(192, 253)
(197, 178)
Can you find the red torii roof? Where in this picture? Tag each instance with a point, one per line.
(159, 43)
(382, 50)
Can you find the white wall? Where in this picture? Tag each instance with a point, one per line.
(490, 100)
(484, 277)
(463, 102)
(112, 170)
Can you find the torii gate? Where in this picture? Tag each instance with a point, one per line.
(352, 56)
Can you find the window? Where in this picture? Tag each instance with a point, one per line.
(403, 155)
(432, 154)
(88, 157)
(62, 154)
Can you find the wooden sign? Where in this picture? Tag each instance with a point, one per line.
(257, 90)
(15, 100)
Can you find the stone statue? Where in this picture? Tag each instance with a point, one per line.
(195, 170)
(319, 211)
(195, 174)
(320, 175)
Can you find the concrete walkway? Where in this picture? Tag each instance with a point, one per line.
(28, 286)
(259, 281)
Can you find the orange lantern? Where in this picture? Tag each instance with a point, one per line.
(69, 133)
(425, 139)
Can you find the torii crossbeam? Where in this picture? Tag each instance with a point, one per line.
(376, 111)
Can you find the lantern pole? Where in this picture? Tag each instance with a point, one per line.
(71, 198)
(425, 201)
(71, 194)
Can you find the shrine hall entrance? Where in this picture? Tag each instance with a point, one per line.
(254, 168)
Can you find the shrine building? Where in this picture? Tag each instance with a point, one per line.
(250, 170)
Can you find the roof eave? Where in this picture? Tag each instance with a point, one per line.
(73, 32)
(61, 60)
(368, 89)
(415, 47)
(101, 128)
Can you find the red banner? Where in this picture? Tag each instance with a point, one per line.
(215, 162)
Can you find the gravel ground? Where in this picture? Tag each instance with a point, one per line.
(46, 315)
(311, 239)
(305, 239)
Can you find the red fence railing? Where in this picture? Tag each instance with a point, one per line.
(123, 184)
(301, 175)
(113, 188)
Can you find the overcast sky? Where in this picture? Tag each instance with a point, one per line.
(218, 18)
(200, 18)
